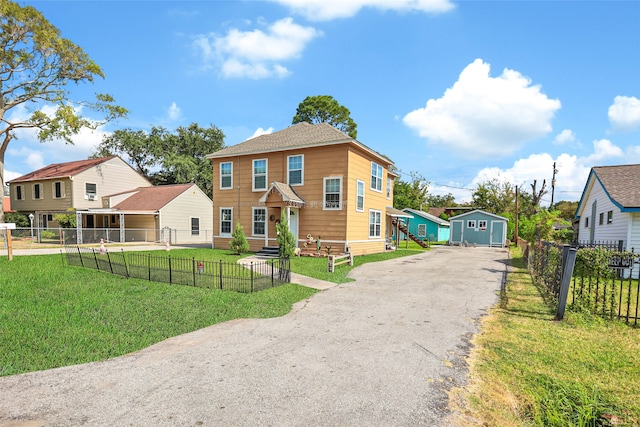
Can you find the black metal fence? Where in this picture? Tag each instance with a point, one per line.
(604, 281)
(613, 245)
(249, 277)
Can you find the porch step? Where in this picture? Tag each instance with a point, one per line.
(268, 251)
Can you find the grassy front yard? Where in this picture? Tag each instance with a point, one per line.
(529, 370)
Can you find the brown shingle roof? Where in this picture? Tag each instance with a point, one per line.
(622, 183)
(297, 136)
(152, 198)
(62, 170)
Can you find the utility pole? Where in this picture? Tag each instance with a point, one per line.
(553, 183)
(515, 232)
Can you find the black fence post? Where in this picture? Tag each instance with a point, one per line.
(149, 266)
(126, 267)
(566, 281)
(220, 271)
(109, 259)
(272, 268)
(96, 259)
(193, 268)
(251, 276)
(170, 272)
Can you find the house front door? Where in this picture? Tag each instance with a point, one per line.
(294, 216)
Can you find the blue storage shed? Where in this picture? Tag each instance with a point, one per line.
(478, 228)
(427, 226)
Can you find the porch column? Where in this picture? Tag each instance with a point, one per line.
(79, 227)
(122, 235)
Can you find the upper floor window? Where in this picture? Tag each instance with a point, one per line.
(260, 174)
(601, 218)
(226, 175)
(295, 168)
(586, 222)
(195, 226)
(91, 191)
(332, 193)
(376, 177)
(610, 217)
(360, 196)
(19, 193)
(37, 191)
(388, 188)
(58, 190)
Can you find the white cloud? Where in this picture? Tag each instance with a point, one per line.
(483, 116)
(571, 176)
(564, 137)
(624, 113)
(261, 131)
(173, 112)
(323, 10)
(256, 54)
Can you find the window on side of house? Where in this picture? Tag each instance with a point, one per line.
(359, 196)
(195, 226)
(376, 177)
(19, 193)
(259, 221)
(259, 174)
(58, 190)
(422, 230)
(295, 169)
(226, 219)
(332, 193)
(482, 224)
(388, 188)
(471, 223)
(226, 175)
(610, 217)
(586, 222)
(37, 191)
(601, 218)
(375, 223)
(90, 191)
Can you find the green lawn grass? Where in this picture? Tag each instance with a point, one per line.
(529, 370)
(52, 315)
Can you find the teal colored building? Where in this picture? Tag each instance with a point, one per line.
(427, 226)
(478, 228)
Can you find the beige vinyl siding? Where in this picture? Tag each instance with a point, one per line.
(192, 203)
(111, 177)
(369, 247)
(47, 201)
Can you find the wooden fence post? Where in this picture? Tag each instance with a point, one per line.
(566, 281)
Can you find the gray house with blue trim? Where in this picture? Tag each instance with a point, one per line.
(609, 209)
(427, 226)
(478, 228)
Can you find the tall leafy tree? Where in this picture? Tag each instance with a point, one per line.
(441, 201)
(494, 196)
(168, 158)
(411, 194)
(325, 109)
(37, 66)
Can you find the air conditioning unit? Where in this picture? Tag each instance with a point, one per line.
(92, 197)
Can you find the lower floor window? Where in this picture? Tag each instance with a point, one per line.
(225, 220)
(375, 223)
(259, 221)
(195, 226)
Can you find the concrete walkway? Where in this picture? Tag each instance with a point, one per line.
(298, 279)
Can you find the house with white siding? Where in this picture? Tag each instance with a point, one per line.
(609, 209)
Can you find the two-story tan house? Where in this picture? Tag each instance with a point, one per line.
(78, 185)
(329, 185)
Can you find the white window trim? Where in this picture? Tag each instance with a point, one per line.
(378, 167)
(220, 222)
(253, 221)
(374, 236)
(471, 223)
(358, 182)
(324, 193)
(301, 170)
(53, 189)
(480, 222)
(389, 188)
(609, 217)
(191, 218)
(253, 175)
(422, 230)
(231, 175)
(41, 188)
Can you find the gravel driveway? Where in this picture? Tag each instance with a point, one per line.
(380, 351)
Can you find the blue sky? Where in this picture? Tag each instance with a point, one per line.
(457, 91)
